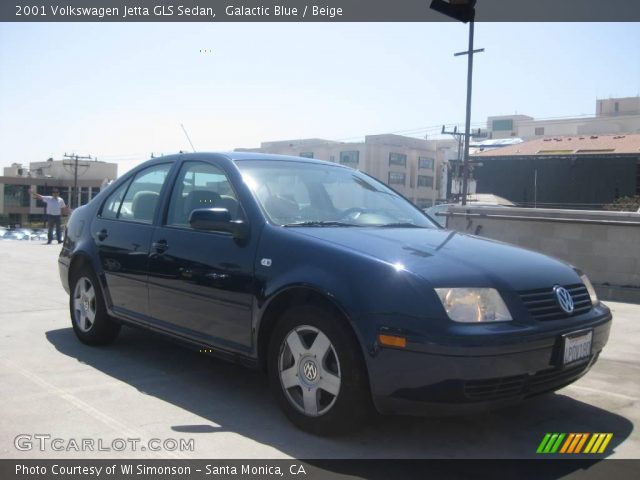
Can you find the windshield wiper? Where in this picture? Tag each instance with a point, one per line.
(321, 223)
(400, 225)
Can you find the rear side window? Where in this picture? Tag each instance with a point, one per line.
(112, 205)
(137, 200)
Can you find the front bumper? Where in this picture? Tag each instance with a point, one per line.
(470, 379)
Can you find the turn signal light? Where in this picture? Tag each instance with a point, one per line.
(392, 341)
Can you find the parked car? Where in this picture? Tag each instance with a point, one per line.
(15, 235)
(345, 293)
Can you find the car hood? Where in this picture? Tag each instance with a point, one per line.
(446, 258)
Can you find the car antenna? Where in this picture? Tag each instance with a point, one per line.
(187, 135)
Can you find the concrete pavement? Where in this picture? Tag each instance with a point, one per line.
(146, 387)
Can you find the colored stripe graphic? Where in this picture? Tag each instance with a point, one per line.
(584, 439)
(577, 441)
(590, 444)
(543, 443)
(556, 443)
(550, 443)
(599, 443)
(567, 443)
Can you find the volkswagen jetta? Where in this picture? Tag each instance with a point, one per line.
(348, 296)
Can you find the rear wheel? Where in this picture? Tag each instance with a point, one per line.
(317, 373)
(89, 317)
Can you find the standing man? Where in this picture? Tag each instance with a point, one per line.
(55, 204)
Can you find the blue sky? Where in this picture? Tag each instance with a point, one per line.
(121, 91)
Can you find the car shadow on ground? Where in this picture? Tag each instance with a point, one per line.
(236, 399)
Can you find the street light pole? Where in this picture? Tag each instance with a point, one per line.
(464, 11)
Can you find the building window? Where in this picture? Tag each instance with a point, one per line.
(16, 195)
(95, 191)
(332, 159)
(539, 131)
(425, 181)
(397, 178)
(398, 159)
(616, 107)
(502, 125)
(84, 195)
(306, 154)
(426, 163)
(350, 157)
(424, 202)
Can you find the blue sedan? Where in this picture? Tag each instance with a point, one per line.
(348, 296)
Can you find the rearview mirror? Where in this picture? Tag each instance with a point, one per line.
(218, 220)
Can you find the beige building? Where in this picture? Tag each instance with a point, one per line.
(42, 177)
(612, 116)
(409, 165)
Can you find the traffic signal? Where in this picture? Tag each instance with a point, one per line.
(463, 10)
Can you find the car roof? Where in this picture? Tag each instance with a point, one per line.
(240, 156)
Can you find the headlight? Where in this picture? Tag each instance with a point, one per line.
(592, 291)
(471, 305)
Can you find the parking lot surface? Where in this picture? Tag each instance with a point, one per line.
(146, 387)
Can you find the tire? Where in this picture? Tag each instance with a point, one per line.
(89, 317)
(327, 388)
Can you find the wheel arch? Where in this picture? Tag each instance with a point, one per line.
(83, 259)
(294, 296)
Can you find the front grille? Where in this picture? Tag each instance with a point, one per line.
(543, 305)
(524, 385)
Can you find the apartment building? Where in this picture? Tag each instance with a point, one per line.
(612, 116)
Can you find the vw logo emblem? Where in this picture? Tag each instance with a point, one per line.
(310, 370)
(564, 298)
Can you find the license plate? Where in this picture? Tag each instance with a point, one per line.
(577, 346)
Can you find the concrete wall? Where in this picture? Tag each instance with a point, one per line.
(605, 245)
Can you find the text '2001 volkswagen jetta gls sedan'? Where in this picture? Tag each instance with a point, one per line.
(348, 295)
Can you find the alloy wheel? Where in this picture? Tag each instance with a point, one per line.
(309, 370)
(84, 304)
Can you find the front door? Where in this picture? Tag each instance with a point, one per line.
(200, 282)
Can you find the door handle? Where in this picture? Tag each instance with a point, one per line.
(160, 246)
(102, 234)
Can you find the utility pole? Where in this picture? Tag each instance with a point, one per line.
(463, 10)
(459, 136)
(74, 165)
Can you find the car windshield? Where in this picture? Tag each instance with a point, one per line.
(316, 195)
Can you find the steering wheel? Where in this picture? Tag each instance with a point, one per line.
(352, 213)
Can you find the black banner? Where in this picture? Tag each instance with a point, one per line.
(312, 11)
(542, 469)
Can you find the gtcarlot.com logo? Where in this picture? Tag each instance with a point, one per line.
(574, 443)
(45, 442)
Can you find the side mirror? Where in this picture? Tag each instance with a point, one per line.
(218, 220)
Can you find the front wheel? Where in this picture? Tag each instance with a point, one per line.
(89, 316)
(317, 373)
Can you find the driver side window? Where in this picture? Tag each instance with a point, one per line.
(200, 185)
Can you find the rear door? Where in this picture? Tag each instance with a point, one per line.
(201, 282)
(122, 233)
